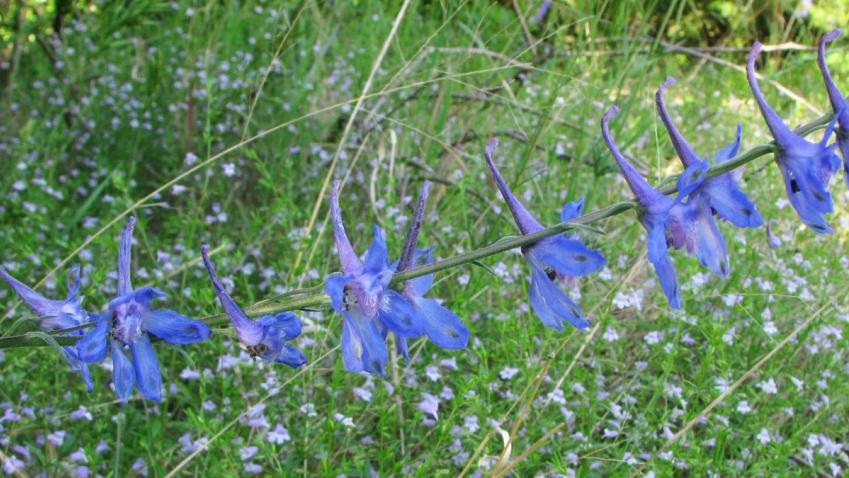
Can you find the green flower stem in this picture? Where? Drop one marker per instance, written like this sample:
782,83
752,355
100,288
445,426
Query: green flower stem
316,297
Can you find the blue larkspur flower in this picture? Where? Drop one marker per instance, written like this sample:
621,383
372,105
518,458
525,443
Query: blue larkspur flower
721,192
684,221
370,309
838,101
553,258
807,167
265,338
58,314
126,327
443,327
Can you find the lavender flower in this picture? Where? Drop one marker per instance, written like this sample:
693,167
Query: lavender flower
265,337
127,324
58,314
721,192
671,221
838,101
553,258
370,309
441,326
542,13
806,166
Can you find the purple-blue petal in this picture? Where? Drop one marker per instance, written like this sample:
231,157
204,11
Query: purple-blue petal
73,283
290,356
731,150
377,259
148,378
703,237
731,203
143,297
174,327
804,208
783,135
551,304
572,210
691,179
249,332
569,257
648,197
61,321
409,253
658,255
402,347
525,220
685,152
397,314
351,263
86,375
123,374
288,323
92,347
363,346
74,362
443,327
805,182
38,303
335,288
422,284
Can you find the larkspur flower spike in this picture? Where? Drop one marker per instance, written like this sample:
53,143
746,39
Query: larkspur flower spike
58,314
807,167
551,259
686,221
443,327
126,327
265,338
721,192
370,309
838,101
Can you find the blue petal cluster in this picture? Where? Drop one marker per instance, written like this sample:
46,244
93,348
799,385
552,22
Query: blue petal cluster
126,329
807,167
443,327
722,192
58,314
371,309
685,221
555,258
